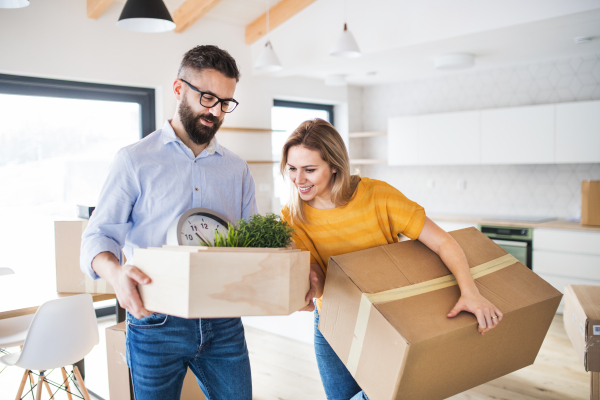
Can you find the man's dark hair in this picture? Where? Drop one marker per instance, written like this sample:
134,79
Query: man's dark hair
209,57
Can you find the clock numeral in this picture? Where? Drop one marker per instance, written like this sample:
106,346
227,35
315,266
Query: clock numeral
194,228
204,226
189,237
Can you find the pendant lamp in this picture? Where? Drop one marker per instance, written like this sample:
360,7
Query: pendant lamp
146,16
267,59
14,3
346,45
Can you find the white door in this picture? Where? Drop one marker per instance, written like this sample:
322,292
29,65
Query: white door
449,138
403,141
519,135
578,132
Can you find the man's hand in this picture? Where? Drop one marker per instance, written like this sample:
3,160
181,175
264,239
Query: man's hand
124,280
125,283
317,283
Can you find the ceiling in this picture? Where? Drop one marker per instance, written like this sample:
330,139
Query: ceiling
399,38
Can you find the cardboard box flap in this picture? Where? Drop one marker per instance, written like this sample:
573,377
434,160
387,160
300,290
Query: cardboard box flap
589,299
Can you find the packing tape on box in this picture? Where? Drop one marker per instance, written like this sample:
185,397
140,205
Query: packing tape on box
368,300
92,285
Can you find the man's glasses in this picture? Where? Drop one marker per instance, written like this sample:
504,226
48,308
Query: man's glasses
209,101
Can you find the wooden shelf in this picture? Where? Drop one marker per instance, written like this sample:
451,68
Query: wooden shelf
365,161
249,130
366,134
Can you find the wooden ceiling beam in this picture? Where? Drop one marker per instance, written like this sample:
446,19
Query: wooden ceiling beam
95,8
190,12
278,14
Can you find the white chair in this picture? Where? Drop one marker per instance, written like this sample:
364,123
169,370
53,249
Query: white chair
62,332
13,330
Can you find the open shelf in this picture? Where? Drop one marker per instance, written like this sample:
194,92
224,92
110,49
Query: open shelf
366,134
364,161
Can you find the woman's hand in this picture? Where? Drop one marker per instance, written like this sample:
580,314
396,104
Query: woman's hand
317,283
486,313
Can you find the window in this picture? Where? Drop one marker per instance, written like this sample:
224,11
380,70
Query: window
57,140
285,117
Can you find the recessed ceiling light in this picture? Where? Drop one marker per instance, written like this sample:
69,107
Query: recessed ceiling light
583,39
454,60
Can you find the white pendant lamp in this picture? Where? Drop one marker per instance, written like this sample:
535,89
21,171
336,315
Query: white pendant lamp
267,60
147,16
14,3
345,46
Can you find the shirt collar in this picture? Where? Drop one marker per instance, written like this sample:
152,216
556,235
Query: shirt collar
168,135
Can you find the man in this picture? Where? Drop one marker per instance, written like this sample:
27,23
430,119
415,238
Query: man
150,183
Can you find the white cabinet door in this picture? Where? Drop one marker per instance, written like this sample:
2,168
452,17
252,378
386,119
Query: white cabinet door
449,138
519,135
578,132
402,141
568,241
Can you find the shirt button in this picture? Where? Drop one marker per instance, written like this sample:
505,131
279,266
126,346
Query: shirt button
194,161
196,189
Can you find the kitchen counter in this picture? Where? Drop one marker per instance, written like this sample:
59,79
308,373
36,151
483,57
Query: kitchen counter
555,224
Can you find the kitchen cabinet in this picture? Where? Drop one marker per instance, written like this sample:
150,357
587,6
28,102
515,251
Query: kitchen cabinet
518,135
449,139
403,141
578,132
564,257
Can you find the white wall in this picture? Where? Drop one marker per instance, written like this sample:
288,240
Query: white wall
505,190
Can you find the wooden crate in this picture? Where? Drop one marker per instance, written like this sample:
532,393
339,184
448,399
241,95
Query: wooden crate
212,282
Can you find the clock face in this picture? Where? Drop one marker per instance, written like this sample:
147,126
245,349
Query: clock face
200,227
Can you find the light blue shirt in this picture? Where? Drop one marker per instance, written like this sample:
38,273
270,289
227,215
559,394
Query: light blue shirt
154,181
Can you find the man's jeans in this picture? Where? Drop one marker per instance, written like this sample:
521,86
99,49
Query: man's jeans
337,381
161,347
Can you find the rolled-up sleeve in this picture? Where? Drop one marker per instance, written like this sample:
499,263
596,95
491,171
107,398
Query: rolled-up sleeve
111,220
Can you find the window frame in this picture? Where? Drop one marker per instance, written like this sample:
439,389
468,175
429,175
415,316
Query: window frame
43,87
308,106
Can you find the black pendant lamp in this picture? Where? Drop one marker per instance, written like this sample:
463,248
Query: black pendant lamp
146,16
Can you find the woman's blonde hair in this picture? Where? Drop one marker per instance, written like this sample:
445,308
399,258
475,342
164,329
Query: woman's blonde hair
321,136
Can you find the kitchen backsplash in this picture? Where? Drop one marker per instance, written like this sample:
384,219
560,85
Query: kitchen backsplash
500,190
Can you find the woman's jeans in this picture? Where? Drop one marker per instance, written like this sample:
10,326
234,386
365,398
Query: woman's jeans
337,381
160,348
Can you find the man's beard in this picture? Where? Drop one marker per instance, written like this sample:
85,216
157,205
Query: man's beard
199,133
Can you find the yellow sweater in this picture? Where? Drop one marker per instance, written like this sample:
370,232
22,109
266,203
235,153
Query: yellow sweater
374,217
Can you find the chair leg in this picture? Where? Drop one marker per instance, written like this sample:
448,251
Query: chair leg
48,388
66,379
38,394
22,386
85,393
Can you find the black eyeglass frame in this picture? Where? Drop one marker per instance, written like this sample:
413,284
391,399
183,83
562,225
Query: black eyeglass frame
219,100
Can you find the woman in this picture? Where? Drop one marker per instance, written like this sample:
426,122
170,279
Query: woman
333,212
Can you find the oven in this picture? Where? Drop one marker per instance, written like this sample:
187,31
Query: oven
516,241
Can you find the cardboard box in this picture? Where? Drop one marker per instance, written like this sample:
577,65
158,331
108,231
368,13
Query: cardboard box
581,317
206,282
69,277
384,313
119,381
590,203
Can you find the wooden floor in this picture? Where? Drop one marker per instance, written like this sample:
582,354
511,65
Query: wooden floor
284,369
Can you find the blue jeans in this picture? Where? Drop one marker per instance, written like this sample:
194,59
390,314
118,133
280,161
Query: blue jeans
160,348
337,381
